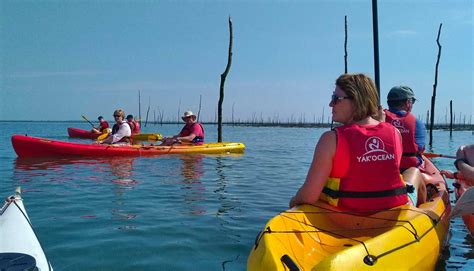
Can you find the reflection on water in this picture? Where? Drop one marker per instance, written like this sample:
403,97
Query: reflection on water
116,171
192,171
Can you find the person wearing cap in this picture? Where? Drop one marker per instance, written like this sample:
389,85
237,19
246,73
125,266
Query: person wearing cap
103,126
400,100
121,131
134,125
192,132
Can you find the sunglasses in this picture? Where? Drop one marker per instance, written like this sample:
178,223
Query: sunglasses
116,116
335,99
413,100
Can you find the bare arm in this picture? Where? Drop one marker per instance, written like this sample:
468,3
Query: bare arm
466,169
318,172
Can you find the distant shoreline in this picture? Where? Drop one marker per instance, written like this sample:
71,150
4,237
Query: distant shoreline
456,127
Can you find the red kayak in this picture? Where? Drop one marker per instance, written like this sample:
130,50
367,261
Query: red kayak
459,188
75,132
28,146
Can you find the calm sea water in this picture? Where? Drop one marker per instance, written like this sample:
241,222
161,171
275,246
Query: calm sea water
174,212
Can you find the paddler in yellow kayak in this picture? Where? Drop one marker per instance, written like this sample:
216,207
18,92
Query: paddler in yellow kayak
355,167
103,126
121,132
192,132
134,125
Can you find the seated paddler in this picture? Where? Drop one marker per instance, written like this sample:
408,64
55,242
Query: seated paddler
121,131
192,132
355,166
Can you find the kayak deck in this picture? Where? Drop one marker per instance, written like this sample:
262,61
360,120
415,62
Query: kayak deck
320,237
15,226
27,146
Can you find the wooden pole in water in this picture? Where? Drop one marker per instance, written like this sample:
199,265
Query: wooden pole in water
376,45
345,44
139,109
223,77
433,98
450,117
179,109
199,110
147,111
233,122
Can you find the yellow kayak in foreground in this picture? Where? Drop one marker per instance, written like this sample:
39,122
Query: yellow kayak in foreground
319,237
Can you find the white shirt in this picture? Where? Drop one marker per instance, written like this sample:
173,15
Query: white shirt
124,130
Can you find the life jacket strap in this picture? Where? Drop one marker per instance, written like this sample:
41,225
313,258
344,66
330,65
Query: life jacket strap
368,194
410,154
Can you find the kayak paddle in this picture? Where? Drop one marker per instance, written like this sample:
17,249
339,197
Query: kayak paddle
87,120
465,204
435,155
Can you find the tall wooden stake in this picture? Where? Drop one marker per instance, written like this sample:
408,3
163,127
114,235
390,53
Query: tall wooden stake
450,117
139,109
199,110
433,98
147,111
223,77
376,45
345,44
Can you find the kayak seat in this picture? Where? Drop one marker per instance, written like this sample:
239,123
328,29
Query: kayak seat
17,262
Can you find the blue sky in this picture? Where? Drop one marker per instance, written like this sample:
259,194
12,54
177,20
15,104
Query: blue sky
63,59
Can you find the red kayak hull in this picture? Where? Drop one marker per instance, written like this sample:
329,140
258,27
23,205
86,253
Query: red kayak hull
468,219
28,146
79,133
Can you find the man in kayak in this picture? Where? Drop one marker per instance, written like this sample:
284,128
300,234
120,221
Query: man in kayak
464,164
355,167
192,132
134,125
400,100
103,126
121,131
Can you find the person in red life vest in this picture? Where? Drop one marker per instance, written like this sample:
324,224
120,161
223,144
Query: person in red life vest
400,100
355,167
464,164
134,125
192,132
121,131
103,126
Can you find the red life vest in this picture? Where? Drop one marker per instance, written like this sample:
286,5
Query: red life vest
133,127
406,125
137,126
365,175
188,129
103,125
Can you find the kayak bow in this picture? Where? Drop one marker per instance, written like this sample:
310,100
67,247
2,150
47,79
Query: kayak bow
19,245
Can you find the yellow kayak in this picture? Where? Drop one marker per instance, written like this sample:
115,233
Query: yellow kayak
320,237
147,137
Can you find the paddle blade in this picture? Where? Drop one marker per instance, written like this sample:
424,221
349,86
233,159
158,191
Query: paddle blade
465,204
156,137
435,155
